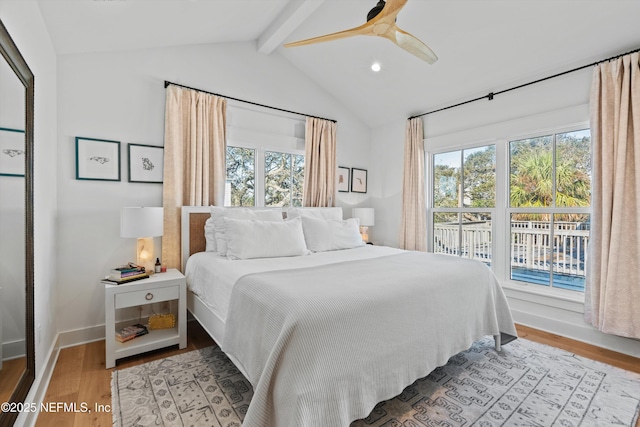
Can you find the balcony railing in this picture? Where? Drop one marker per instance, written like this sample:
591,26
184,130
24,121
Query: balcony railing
534,255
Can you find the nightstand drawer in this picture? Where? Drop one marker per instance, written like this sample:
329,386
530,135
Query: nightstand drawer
129,299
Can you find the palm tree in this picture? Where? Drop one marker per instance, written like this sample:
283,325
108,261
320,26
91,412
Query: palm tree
532,181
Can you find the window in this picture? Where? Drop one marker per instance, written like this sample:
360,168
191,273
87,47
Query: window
464,189
527,215
279,183
284,178
549,205
241,177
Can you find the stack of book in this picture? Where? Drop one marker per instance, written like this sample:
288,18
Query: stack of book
131,332
126,274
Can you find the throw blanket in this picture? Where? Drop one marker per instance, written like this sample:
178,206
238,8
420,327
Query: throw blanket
322,345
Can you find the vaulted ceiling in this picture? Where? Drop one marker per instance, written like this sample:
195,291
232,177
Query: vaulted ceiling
483,45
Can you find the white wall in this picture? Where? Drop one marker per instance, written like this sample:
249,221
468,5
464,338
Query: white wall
120,96
25,24
385,176
552,104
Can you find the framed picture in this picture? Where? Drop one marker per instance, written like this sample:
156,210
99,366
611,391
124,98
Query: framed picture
146,163
358,180
12,152
97,159
343,179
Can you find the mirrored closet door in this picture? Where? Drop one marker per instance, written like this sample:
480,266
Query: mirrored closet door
17,362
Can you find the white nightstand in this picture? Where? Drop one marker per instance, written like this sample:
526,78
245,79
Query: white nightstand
160,287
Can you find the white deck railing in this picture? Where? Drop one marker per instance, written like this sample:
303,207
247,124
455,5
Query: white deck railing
530,245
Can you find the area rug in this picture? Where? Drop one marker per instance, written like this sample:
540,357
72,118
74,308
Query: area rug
527,384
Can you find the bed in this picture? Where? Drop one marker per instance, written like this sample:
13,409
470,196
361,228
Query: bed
324,336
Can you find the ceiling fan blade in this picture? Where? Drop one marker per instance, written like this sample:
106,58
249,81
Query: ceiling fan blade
364,29
383,25
413,45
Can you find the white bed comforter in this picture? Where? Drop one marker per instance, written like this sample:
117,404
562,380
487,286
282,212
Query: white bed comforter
212,277
322,345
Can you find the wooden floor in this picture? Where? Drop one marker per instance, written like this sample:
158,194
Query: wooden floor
80,375
11,373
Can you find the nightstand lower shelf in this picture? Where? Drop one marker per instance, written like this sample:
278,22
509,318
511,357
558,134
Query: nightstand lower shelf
154,340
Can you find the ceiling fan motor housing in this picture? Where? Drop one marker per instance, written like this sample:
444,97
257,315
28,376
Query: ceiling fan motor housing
376,10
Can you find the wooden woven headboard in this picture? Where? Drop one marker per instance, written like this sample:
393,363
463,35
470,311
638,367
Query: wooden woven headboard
197,242
193,240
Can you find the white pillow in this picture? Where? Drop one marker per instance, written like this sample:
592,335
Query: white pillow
218,214
210,235
248,239
331,234
326,213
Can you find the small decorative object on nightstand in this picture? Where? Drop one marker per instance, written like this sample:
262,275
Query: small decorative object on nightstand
169,286
367,219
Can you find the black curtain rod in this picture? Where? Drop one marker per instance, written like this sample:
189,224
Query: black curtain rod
167,83
490,95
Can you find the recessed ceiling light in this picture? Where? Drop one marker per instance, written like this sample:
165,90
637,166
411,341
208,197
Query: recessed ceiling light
375,67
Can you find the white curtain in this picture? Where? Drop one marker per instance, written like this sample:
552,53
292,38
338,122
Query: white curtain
613,279
194,160
320,163
413,229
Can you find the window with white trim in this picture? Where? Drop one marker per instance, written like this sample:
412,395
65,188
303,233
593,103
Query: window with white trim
240,187
277,183
549,209
464,198
542,202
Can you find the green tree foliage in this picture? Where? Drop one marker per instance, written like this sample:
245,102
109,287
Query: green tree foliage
531,180
284,177
475,181
241,175
480,178
573,170
532,175
446,182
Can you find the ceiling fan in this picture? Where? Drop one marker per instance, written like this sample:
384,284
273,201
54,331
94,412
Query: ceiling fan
381,21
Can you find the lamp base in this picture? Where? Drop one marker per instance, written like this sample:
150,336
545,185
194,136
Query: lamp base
145,254
364,232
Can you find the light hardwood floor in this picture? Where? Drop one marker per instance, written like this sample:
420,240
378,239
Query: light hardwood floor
80,375
11,374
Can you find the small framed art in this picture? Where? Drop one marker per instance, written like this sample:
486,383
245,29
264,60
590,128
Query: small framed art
12,152
97,159
343,179
146,163
358,180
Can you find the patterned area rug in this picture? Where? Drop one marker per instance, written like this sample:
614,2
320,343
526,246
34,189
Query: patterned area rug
528,384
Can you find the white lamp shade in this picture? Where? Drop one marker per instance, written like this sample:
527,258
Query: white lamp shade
141,222
366,216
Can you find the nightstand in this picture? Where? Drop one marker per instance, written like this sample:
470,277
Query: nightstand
160,287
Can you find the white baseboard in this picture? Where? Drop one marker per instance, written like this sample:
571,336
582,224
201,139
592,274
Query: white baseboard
40,385
81,336
565,319
12,350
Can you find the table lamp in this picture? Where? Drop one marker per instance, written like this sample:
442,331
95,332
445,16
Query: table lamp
367,219
145,224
